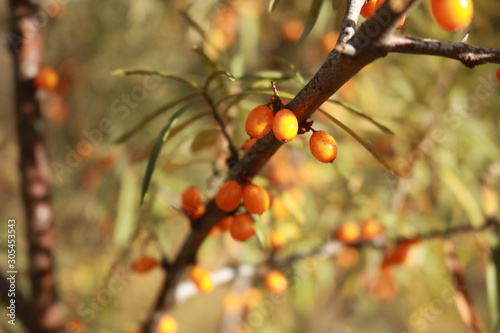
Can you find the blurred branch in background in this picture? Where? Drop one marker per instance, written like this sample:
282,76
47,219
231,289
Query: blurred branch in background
26,45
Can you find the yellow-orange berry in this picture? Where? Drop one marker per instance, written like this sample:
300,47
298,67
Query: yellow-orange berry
277,239
229,196
144,264
242,227
255,199
498,74
285,125
248,144
292,30
259,121
368,8
225,223
398,255
47,78
452,15
167,324
348,257
192,203
275,282
370,229
323,146
348,232
201,278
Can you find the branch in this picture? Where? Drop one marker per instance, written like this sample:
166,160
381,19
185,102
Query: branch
26,48
469,55
350,18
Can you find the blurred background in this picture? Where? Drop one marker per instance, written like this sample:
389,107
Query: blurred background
444,149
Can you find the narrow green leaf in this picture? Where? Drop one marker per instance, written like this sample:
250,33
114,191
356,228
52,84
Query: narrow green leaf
249,92
205,139
157,148
126,217
272,5
214,75
493,287
123,72
311,18
289,65
179,128
357,112
261,232
362,141
136,129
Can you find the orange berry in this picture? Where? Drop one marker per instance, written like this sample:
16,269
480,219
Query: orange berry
277,239
229,196
255,199
167,324
329,40
259,121
398,255
348,257
248,144
225,223
233,302
498,74
348,232
323,146
144,264
452,15
368,8
242,227
47,78
275,282
370,229
285,125
192,203
280,209
201,278
292,30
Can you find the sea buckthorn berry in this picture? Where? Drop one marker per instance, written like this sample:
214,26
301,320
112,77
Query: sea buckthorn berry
452,15
144,264
277,239
225,223
348,257
275,282
323,146
229,196
348,232
368,8
242,227
47,78
259,121
248,144
285,125
167,324
201,278
370,229
498,74
192,203
399,254
255,199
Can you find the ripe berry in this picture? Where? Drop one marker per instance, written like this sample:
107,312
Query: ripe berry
201,278
225,223
144,264
259,121
398,255
348,232
167,324
370,229
368,8
192,203
47,78
498,74
255,199
248,144
285,125
229,196
348,257
275,282
277,239
242,227
323,146
452,15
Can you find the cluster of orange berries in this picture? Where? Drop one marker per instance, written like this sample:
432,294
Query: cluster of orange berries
351,232
261,120
450,15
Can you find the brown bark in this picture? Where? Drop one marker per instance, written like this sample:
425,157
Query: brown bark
25,41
